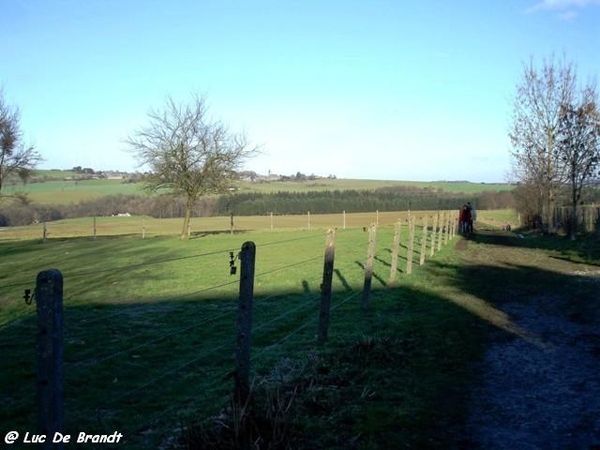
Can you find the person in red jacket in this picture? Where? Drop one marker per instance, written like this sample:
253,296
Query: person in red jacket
472,216
464,219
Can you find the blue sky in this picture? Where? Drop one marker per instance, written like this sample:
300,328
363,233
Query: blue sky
399,90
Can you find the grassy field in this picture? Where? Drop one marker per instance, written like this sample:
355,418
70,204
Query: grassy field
149,327
65,192
149,337
357,184
149,227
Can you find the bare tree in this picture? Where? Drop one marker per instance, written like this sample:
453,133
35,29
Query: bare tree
539,101
579,143
189,153
16,158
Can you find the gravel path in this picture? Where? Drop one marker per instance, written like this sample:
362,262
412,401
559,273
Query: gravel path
543,392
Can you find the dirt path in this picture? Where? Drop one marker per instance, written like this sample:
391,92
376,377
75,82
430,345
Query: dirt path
541,385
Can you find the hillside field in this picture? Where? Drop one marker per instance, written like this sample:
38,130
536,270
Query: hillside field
73,191
149,227
149,322
149,332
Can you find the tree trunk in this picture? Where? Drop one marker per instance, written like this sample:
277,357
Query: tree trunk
573,218
186,219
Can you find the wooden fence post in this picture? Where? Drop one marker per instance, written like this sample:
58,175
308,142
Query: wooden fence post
447,230
440,232
366,300
411,245
49,301
44,232
454,224
244,323
423,242
433,234
326,286
395,247
94,227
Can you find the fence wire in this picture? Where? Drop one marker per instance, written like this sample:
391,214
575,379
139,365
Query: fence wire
303,305
95,361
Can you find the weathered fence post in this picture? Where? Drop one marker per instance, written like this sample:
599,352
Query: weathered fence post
440,233
231,224
326,286
308,215
94,227
411,245
454,224
423,242
366,300
244,323
44,232
395,247
433,234
344,220
49,301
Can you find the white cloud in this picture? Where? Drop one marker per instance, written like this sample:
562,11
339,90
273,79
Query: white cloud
567,16
561,5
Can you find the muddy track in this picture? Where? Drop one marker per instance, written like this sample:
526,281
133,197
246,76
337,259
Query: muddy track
540,385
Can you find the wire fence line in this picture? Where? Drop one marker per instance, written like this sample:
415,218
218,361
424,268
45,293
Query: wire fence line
195,325
163,375
130,344
102,227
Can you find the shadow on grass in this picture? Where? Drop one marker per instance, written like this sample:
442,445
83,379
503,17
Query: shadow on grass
506,278
387,374
396,375
586,248
201,234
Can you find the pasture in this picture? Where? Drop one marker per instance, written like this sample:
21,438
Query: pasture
149,329
148,226
66,192
72,191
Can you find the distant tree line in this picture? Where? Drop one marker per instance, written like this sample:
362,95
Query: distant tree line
398,198
22,212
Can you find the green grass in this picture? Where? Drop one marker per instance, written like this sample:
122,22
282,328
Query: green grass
66,192
148,226
149,330
149,327
358,184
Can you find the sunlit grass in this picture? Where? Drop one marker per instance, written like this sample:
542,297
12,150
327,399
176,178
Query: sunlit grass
74,191
149,328
143,226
